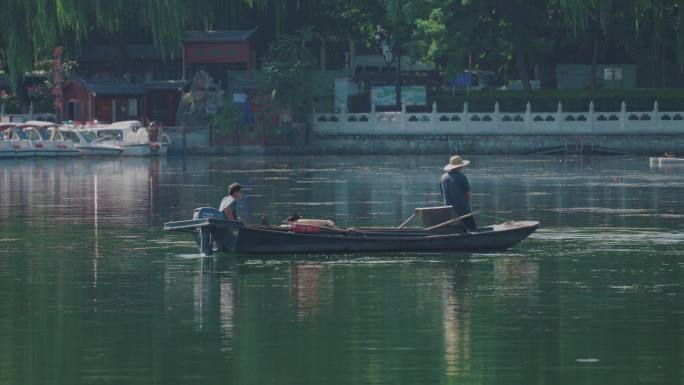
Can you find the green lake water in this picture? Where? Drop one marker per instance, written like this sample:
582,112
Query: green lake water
92,291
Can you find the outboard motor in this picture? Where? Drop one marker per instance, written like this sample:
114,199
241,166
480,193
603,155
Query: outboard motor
207,212
205,238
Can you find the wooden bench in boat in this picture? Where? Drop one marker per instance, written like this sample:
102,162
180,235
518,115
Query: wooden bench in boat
439,216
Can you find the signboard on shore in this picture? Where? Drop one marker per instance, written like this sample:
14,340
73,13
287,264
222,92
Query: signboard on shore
414,95
386,95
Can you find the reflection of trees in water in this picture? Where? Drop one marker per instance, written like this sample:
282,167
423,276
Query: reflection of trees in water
513,318
64,189
385,189
483,315
354,190
213,299
308,284
227,310
456,320
516,277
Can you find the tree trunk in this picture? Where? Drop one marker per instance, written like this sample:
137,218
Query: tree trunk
520,38
594,55
19,86
399,101
120,60
663,66
22,94
523,72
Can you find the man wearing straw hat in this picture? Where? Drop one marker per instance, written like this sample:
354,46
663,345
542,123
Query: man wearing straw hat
456,190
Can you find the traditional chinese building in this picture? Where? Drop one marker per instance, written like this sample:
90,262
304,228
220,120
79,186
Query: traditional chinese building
152,85
107,100
218,53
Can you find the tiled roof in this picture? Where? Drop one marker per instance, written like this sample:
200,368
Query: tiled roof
99,53
110,86
217,36
163,85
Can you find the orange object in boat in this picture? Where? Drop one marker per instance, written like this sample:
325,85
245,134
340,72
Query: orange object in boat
306,229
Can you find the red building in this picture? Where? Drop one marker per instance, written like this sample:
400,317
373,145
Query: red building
151,90
217,53
107,100
161,100
111,100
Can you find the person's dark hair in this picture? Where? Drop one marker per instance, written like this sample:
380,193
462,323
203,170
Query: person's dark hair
233,188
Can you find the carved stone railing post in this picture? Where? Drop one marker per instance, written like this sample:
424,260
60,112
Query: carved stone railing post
497,120
433,117
403,116
592,120
466,118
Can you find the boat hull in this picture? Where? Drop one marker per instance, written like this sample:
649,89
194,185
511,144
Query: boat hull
257,241
23,154
22,149
99,150
136,150
229,236
164,149
66,149
159,148
51,149
6,150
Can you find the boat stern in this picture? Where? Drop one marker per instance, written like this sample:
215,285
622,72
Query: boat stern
211,234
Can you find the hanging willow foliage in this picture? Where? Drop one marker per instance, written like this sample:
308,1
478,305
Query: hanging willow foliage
659,23
680,32
32,28
581,12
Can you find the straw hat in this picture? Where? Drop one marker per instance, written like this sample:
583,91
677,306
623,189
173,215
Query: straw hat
456,162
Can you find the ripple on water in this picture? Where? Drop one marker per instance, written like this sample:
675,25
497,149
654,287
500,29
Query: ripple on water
148,297
192,256
598,210
610,235
587,360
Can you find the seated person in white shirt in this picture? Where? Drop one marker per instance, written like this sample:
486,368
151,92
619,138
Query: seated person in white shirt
229,203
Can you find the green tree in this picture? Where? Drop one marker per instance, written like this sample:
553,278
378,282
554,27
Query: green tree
227,120
451,33
31,29
589,16
287,75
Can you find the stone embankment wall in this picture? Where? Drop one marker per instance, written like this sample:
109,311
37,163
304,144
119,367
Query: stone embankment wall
643,144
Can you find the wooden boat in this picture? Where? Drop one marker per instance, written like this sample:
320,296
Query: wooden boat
214,233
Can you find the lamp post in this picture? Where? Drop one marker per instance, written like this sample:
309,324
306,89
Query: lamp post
388,44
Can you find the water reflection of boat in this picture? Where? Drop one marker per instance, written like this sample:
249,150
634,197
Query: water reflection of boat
213,233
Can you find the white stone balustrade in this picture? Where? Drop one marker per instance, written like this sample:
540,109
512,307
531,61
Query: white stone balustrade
500,123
